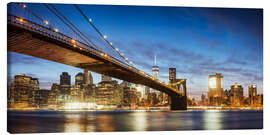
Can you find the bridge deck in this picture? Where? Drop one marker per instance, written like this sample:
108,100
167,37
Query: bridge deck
36,43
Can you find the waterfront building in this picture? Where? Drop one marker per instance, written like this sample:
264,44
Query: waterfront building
237,95
226,100
41,98
215,89
203,100
105,93
90,93
129,97
260,100
252,95
140,88
54,96
65,87
77,94
118,96
22,91
88,78
79,79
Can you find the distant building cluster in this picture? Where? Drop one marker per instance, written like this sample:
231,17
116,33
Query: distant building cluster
24,92
233,97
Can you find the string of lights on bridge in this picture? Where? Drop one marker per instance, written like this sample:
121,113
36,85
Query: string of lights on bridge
90,21
104,37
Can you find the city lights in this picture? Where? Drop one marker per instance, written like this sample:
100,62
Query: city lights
46,22
21,20
79,105
67,75
73,41
56,30
212,82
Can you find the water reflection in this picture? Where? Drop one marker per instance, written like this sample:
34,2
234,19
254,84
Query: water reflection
72,122
55,121
212,120
104,123
140,121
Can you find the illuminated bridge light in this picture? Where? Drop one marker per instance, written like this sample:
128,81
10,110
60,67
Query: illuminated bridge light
105,37
24,6
90,20
73,41
74,45
56,30
21,20
116,49
121,54
80,48
126,58
46,22
110,43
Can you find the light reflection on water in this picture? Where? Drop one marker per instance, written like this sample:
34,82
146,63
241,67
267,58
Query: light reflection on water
79,121
213,120
140,121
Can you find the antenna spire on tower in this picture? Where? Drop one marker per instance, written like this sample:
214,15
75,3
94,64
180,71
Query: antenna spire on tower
155,59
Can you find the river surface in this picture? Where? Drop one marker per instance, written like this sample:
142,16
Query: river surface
105,121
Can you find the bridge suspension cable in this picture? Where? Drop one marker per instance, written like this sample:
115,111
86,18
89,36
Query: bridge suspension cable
46,22
104,37
34,14
54,12
73,25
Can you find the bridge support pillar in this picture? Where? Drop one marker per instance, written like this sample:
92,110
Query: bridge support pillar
178,102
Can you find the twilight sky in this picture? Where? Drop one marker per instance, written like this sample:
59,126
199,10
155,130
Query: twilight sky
196,41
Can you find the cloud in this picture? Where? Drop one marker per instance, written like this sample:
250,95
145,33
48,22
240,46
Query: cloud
207,41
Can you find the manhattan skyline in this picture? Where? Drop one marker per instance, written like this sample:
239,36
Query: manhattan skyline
196,41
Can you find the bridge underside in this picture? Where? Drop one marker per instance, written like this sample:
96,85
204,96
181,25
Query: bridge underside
34,44
178,102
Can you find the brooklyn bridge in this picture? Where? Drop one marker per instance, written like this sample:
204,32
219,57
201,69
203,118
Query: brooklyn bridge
38,38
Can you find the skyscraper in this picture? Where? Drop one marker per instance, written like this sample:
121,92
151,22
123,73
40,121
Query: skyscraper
172,75
65,79
65,86
238,95
79,79
215,85
155,69
252,95
22,91
88,79
106,78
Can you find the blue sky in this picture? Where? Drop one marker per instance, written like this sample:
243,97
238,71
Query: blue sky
196,41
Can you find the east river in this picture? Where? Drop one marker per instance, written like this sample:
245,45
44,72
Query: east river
105,121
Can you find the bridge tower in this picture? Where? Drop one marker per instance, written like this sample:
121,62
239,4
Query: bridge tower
178,102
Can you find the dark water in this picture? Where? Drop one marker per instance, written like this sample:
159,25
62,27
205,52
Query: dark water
86,121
